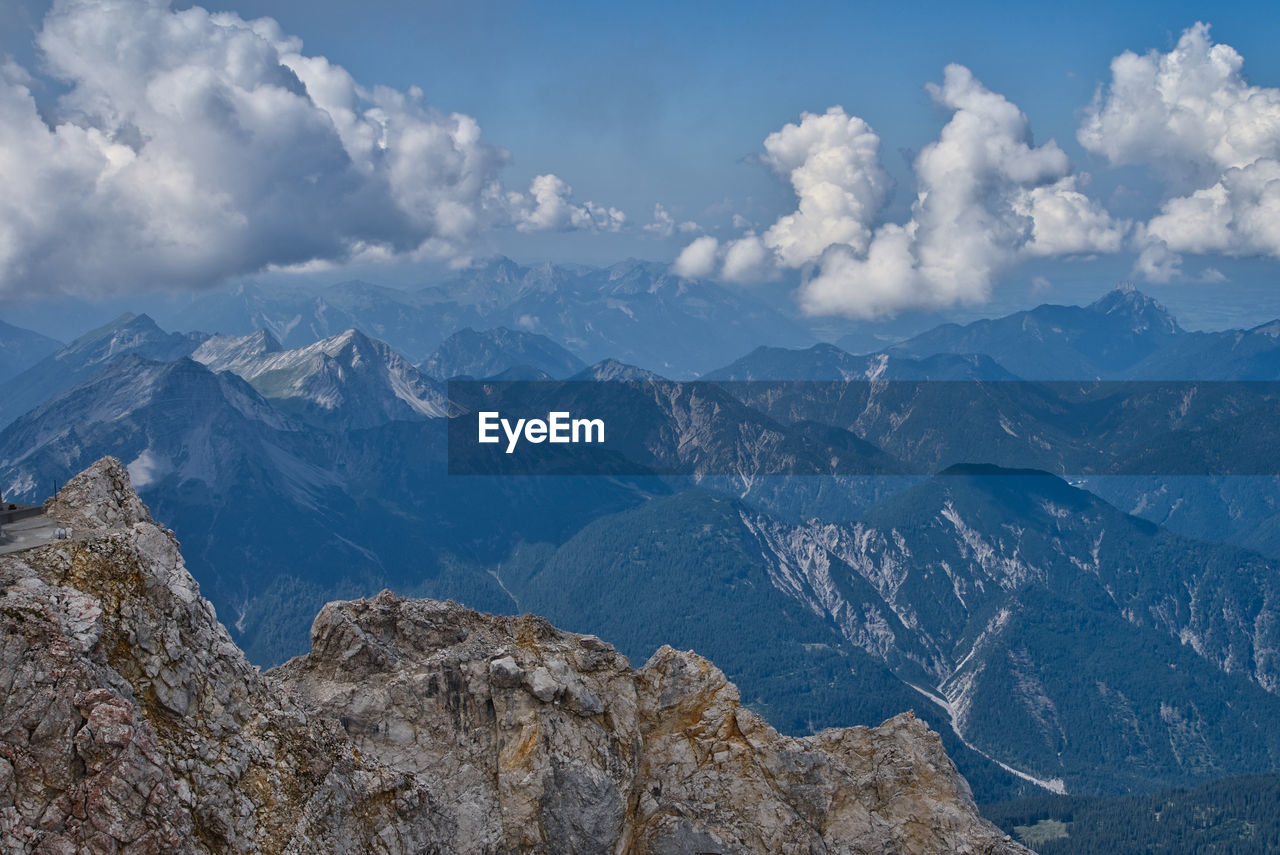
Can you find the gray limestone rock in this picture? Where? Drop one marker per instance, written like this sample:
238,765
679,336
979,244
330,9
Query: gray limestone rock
132,724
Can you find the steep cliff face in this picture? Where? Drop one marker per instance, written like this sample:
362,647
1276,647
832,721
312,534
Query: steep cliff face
131,723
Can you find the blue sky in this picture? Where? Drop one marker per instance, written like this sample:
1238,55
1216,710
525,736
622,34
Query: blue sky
633,105
669,102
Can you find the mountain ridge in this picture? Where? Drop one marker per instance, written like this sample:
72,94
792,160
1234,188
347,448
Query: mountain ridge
21,348
488,353
67,366
347,381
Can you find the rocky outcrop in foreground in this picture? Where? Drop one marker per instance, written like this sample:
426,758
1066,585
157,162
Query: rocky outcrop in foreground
131,723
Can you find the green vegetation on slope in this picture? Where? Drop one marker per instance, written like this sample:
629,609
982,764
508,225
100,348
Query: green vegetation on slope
1231,816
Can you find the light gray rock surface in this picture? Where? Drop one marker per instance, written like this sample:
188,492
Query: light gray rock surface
130,723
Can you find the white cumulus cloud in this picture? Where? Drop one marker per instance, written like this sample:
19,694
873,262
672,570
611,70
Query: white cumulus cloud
833,163
190,146
1192,117
748,259
664,225
1064,221
986,198
1189,111
698,259
548,206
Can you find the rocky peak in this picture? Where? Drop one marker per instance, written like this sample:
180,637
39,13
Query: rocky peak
127,332
133,724
99,498
1145,313
615,371
236,353
560,746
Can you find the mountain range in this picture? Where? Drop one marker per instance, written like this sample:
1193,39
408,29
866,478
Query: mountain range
344,382
1042,630
634,311
67,366
1124,335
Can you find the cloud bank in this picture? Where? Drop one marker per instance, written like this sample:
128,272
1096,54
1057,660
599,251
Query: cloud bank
190,147
986,198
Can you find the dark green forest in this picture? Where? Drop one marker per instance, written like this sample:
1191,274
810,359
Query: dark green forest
1231,816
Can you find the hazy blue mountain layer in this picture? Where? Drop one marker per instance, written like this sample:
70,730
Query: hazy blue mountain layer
136,334
1101,340
489,353
635,311
1036,625
21,348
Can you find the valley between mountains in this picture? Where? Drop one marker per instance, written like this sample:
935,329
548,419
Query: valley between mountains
1087,633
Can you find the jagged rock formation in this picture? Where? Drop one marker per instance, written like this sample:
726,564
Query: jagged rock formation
131,723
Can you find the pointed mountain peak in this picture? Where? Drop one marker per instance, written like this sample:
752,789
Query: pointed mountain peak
349,334
260,340
499,265
127,327
1270,328
349,338
136,324
612,369
109,328
1146,312
234,353
268,342
1143,312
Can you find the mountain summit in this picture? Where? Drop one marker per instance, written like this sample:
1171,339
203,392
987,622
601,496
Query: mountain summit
1051,342
1140,312
128,334
345,381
